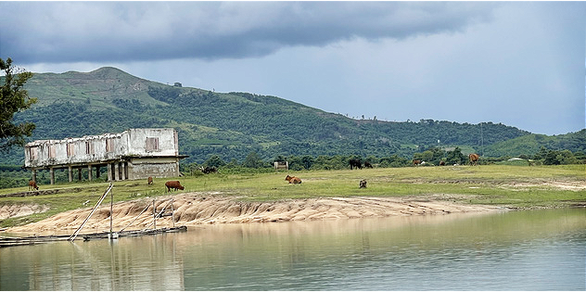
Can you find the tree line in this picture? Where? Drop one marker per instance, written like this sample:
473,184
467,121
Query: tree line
432,157
15,176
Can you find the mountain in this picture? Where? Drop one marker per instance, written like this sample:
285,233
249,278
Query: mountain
231,125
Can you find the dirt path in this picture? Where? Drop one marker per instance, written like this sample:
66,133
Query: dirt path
200,208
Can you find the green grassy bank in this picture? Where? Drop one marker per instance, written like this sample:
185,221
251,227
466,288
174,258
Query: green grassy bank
506,185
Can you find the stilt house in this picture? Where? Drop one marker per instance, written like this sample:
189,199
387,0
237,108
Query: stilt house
132,154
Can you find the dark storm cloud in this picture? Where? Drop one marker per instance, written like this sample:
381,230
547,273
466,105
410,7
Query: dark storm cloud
54,32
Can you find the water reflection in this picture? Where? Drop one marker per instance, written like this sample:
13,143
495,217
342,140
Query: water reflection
145,263
533,250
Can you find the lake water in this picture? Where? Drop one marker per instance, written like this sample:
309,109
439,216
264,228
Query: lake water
522,250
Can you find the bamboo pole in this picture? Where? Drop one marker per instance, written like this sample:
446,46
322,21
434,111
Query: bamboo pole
111,211
173,212
154,216
143,210
74,235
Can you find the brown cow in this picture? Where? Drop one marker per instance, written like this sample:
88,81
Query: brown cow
473,157
150,180
293,179
173,184
32,185
416,162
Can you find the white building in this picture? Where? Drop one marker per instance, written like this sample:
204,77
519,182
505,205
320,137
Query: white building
132,154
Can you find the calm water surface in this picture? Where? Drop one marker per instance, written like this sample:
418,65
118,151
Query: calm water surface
528,250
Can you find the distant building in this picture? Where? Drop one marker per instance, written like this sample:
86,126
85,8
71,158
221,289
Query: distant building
132,154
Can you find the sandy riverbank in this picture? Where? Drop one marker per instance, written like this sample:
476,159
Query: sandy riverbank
208,208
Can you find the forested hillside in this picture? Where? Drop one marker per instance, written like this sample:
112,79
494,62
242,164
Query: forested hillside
232,125
531,144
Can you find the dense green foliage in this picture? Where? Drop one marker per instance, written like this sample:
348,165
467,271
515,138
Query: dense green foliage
532,143
13,98
229,127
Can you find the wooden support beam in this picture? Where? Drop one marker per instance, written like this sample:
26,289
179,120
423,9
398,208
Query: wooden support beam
110,178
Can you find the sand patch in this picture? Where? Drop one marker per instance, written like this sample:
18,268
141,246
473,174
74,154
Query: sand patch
200,208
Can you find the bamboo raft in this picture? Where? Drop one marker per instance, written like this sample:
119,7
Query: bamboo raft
29,240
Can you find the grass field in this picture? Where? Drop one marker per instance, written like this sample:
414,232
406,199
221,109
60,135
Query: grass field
507,185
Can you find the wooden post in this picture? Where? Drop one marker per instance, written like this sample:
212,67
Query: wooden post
111,211
34,175
173,212
116,176
122,171
110,172
52,174
79,174
70,172
89,172
154,216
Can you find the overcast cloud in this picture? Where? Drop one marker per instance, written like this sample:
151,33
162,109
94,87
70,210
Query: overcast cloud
521,64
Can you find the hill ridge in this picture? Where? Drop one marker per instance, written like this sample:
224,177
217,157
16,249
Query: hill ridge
232,125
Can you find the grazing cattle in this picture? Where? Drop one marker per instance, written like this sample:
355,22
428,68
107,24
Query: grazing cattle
150,180
208,169
173,184
416,162
367,164
32,185
293,179
473,157
363,184
442,163
355,163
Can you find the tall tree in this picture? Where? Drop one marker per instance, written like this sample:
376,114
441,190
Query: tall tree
455,156
13,98
214,161
252,160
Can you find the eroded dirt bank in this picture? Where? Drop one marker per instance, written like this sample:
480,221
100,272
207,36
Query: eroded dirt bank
9,211
199,208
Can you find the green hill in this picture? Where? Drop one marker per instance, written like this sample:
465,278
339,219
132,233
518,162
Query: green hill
98,88
530,144
231,125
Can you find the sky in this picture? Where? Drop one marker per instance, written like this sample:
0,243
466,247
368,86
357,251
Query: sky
517,63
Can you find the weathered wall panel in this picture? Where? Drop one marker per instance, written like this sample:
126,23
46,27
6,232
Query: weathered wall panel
139,168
